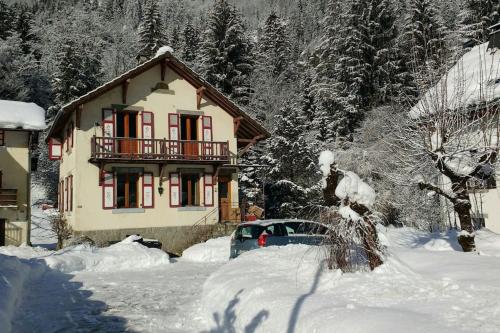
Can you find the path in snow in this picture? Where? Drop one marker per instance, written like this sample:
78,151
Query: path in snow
160,300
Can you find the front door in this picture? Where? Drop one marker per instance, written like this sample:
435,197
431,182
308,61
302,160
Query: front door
189,132
2,232
126,130
224,189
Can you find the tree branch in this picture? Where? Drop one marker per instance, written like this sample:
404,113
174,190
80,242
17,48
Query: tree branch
438,190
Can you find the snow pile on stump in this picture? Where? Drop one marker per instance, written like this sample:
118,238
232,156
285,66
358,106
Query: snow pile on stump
213,250
126,255
21,115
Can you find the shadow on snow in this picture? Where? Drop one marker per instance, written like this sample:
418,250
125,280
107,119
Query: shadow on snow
55,303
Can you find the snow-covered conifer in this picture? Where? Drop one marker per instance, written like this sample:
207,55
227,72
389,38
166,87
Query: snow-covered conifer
151,32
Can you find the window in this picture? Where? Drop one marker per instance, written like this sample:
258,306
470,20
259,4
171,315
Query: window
126,190
190,195
2,138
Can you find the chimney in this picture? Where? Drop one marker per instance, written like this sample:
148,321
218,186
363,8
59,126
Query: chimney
494,36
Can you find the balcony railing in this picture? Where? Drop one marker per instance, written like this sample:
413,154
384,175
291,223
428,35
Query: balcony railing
8,197
144,150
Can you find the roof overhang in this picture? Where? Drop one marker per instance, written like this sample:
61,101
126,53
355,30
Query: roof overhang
248,128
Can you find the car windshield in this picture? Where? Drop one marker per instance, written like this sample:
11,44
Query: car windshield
304,228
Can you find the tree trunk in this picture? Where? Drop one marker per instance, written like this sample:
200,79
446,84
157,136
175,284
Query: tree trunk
462,207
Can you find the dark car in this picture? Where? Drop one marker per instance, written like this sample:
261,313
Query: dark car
253,235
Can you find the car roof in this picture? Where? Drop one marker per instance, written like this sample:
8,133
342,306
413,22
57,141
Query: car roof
265,223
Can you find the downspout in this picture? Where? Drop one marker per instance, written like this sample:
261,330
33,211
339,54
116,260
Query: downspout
28,192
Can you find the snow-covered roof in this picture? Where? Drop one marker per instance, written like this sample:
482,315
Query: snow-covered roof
21,115
473,80
250,128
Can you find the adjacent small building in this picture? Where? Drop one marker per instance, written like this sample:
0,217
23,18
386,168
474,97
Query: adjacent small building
473,84
20,124
152,152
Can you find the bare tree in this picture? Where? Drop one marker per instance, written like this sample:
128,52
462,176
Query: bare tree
61,228
453,130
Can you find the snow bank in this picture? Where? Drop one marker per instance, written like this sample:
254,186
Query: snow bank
474,79
14,273
213,250
164,49
14,114
352,187
124,256
420,288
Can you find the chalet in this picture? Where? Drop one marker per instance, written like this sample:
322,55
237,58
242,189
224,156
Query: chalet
472,85
20,124
154,152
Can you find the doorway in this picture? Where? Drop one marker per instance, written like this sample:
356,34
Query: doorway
224,190
2,232
126,130
189,132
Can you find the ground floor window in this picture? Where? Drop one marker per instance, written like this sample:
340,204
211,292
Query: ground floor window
126,190
190,190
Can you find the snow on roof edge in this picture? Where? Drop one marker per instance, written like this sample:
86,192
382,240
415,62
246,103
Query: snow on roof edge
21,115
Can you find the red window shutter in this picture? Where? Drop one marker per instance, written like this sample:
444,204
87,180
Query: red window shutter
59,197
147,132
71,193
175,190
108,129
72,127
62,195
208,189
148,190
66,193
55,149
173,133
108,190
207,135
2,137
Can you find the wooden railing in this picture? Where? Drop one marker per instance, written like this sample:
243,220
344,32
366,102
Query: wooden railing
13,234
8,197
104,148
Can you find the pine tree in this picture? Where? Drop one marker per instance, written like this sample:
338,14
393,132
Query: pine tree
274,47
175,39
424,44
23,25
292,164
78,72
356,65
5,20
151,32
477,17
226,52
190,42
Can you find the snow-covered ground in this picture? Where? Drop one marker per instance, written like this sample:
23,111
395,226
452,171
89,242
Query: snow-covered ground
41,234
426,285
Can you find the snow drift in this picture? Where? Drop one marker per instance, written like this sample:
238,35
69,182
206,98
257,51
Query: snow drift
422,287
213,250
123,256
14,274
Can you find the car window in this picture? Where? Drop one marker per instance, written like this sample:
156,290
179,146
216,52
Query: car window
305,228
274,230
249,231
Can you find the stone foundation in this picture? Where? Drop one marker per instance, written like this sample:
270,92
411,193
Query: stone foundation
174,239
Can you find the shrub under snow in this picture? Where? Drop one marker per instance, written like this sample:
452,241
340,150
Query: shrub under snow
213,250
122,256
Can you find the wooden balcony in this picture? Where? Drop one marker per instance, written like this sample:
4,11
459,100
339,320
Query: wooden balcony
8,198
129,150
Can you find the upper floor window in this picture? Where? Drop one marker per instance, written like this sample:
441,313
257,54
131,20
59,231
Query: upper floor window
2,138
